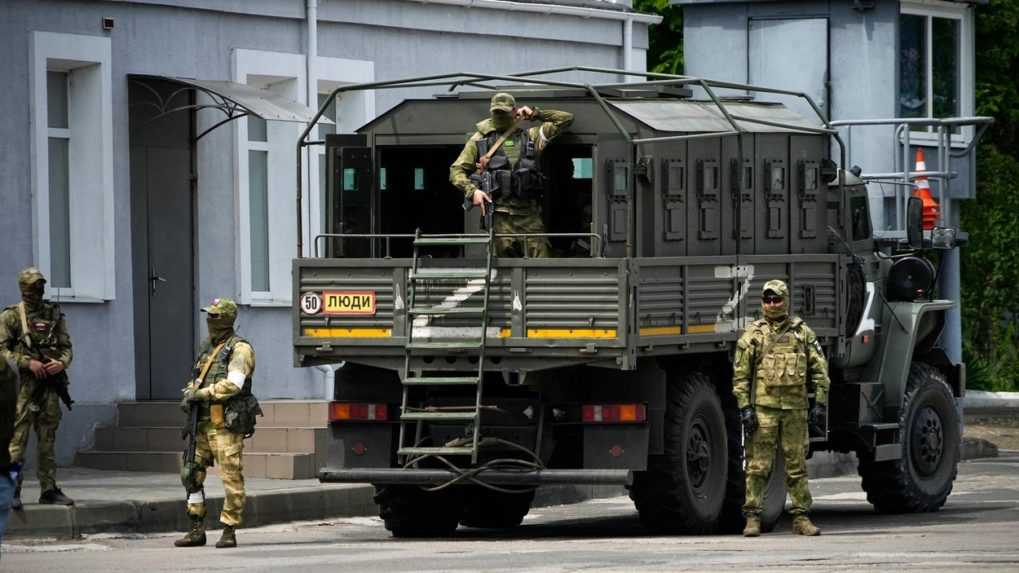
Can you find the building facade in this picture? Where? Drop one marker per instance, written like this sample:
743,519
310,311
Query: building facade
124,187
858,59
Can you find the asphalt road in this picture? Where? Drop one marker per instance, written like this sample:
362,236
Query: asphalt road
977,530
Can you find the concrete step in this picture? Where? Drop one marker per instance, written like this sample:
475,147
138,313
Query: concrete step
274,465
280,413
165,439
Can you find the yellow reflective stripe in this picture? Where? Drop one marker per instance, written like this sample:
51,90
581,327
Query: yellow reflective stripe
659,330
505,333
571,333
700,329
334,332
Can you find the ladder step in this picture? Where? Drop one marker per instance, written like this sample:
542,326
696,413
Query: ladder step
442,381
441,416
470,345
450,241
439,310
448,273
442,451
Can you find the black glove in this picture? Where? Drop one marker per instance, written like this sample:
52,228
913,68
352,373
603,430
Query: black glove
749,419
818,419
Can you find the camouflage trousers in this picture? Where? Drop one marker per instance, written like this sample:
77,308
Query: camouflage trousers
520,221
226,450
787,431
45,418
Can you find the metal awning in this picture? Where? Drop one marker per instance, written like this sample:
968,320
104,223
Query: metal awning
234,100
705,117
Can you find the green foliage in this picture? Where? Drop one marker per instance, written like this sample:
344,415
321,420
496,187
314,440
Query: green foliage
990,261
990,265
665,50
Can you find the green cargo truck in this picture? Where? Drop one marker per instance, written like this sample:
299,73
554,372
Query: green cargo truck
469,380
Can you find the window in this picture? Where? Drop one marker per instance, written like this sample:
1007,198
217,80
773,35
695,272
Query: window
266,167
582,167
72,165
935,61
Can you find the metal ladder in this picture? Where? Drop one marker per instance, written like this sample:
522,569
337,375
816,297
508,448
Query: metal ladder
420,413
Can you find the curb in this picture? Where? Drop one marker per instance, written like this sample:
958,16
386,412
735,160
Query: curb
168,515
325,502
979,399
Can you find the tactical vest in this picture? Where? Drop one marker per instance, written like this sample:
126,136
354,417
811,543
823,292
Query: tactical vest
42,323
219,369
781,368
521,181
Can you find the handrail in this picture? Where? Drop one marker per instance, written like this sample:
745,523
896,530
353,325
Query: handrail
454,80
902,141
597,239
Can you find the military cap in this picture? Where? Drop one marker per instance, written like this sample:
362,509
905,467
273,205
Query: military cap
30,276
776,287
503,101
224,307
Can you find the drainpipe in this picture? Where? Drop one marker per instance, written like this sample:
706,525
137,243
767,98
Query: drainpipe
329,379
311,73
628,49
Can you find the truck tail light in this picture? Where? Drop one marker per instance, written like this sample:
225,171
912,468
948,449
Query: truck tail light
357,412
613,413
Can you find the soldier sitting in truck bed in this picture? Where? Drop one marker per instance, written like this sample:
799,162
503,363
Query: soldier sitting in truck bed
508,157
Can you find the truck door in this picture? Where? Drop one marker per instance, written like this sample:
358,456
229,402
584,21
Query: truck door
348,195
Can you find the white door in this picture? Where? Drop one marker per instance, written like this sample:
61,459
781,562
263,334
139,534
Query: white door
790,54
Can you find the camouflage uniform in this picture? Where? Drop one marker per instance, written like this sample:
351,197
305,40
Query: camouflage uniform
784,351
47,339
513,214
233,364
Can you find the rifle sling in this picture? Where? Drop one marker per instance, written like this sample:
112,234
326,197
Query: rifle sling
208,364
483,162
25,336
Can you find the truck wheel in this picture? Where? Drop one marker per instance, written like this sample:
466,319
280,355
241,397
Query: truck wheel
922,479
493,509
732,520
683,490
409,511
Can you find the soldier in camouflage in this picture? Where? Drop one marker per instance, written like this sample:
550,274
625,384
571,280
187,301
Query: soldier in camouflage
514,169
776,358
33,336
224,368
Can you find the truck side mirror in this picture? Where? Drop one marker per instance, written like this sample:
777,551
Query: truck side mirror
914,222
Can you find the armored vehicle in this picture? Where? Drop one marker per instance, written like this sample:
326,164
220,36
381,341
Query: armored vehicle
469,379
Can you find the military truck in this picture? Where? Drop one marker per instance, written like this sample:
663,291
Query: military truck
469,380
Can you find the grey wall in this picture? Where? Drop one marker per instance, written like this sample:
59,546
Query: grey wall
186,38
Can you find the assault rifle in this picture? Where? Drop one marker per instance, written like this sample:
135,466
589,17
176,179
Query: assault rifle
747,433
483,179
189,469
58,383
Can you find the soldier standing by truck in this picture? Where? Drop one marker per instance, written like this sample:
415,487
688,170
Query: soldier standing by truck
34,334
504,158
221,391
776,359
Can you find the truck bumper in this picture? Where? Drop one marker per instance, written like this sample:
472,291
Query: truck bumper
386,476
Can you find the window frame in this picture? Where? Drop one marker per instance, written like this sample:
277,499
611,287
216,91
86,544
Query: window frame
931,9
91,198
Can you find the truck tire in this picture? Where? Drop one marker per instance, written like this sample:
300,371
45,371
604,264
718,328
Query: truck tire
493,509
732,520
922,479
683,490
409,511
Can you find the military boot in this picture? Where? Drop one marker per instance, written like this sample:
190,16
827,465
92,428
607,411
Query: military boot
16,504
229,538
195,537
753,528
803,526
55,497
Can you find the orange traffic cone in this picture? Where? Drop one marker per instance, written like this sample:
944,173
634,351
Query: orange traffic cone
923,191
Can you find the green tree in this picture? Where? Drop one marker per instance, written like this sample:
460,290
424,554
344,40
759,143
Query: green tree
665,50
990,265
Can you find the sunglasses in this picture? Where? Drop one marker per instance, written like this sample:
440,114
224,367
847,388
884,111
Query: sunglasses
771,299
